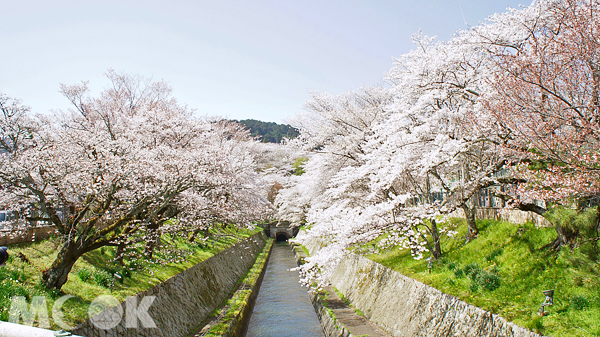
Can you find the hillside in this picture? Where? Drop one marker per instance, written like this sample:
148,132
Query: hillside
269,132
506,269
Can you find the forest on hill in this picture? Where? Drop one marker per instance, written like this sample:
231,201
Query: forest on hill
269,132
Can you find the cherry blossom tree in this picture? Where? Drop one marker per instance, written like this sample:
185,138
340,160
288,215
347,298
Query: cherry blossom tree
426,157
545,101
431,150
335,128
120,163
16,126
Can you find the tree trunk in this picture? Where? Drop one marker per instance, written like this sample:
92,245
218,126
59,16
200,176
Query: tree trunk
564,236
597,221
120,254
472,230
435,235
192,236
56,276
153,239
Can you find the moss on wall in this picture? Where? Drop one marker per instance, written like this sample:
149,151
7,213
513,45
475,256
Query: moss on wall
239,307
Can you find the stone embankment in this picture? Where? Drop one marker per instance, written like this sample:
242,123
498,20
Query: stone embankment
509,215
184,301
20,234
405,307
337,318
330,327
234,318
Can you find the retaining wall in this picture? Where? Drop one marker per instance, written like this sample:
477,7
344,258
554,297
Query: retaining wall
330,327
185,300
405,307
238,324
509,215
29,234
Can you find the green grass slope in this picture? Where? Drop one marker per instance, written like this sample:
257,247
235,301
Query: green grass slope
505,271
96,274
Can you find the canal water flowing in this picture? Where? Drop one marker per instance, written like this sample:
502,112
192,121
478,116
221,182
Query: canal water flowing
283,307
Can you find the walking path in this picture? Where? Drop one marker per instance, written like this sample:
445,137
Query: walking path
345,315
359,325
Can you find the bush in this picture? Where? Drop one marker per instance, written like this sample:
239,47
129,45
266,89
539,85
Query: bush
536,325
103,278
299,166
472,270
580,302
489,281
98,276
581,222
86,275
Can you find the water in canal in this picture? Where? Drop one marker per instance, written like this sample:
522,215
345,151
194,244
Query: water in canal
283,307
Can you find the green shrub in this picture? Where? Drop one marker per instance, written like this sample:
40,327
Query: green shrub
480,278
472,270
98,276
299,165
536,324
580,302
103,278
85,274
474,287
491,256
583,222
489,281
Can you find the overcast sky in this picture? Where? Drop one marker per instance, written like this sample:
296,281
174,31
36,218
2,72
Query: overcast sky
237,59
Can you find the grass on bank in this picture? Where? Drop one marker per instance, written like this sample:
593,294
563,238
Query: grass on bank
504,270
96,274
239,301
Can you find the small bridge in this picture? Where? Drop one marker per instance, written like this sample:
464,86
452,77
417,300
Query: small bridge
280,230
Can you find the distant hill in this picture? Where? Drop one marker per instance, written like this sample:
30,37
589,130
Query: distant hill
269,132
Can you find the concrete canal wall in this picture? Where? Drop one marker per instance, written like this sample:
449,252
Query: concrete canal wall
328,323
403,306
185,300
509,215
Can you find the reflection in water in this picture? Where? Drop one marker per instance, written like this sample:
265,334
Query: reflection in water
283,307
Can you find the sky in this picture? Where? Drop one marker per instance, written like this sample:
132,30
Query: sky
252,59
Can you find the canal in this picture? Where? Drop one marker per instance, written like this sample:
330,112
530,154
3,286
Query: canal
283,307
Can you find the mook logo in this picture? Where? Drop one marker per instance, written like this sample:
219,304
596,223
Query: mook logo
105,312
